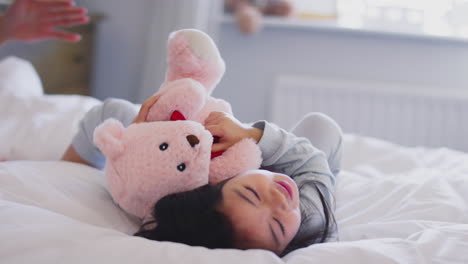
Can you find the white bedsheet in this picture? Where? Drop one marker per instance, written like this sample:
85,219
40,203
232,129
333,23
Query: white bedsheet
34,126
394,204
61,212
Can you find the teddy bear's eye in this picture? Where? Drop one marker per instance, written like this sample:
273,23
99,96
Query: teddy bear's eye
163,146
181,167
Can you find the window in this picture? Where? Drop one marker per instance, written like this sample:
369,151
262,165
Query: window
435,17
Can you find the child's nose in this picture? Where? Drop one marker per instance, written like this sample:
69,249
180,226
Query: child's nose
193,140
276,199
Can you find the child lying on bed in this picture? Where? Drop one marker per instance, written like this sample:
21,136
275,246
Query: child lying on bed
286,205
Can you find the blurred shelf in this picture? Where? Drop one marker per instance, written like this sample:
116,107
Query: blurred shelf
67,68
329,25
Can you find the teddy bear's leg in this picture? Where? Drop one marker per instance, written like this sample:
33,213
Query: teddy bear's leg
193,54
243,156
185,96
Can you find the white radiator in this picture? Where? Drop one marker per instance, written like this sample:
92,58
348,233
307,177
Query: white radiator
405,114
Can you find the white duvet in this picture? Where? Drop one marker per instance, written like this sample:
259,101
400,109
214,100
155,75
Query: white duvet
394,204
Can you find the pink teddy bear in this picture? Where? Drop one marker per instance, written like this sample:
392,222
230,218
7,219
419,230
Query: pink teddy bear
172,151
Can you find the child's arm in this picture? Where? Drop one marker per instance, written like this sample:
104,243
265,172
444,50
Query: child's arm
72,156
282,151
229,130
297,157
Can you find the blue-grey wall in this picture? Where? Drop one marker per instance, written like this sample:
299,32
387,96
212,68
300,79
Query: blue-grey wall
252,62
120,46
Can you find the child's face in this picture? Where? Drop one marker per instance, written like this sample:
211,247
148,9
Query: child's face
263,208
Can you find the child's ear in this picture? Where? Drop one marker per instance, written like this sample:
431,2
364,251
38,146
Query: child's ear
108,138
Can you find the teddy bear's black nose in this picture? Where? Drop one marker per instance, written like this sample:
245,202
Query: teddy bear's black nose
193,140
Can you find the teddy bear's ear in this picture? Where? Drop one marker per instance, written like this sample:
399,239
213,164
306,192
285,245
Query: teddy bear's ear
108,138
193,54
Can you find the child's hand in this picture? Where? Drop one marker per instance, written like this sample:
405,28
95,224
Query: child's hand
31,20
145,107
229,130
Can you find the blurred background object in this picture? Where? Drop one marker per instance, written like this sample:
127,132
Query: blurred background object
457,17
316,8
4,4
63,68
393,18
433,17
248,14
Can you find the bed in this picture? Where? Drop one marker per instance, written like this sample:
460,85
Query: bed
394,204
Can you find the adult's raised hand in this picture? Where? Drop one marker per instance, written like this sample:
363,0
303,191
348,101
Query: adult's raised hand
33,20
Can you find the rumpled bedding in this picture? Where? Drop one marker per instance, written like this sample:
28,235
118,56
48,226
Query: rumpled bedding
393,204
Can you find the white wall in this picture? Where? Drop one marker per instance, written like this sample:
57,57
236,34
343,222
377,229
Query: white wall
253,62
120,46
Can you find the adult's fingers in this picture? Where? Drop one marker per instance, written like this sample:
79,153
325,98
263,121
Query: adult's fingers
71,11
67,22
47,5
62,35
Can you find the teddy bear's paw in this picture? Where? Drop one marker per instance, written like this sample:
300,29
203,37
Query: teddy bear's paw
193,54
186,96
242,156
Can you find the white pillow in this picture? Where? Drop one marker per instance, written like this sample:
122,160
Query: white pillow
18,77
70,189
34,126
60,212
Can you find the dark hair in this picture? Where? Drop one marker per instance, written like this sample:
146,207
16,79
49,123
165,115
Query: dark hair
313,228
191,218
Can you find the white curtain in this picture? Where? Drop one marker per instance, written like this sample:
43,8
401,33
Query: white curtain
170,15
